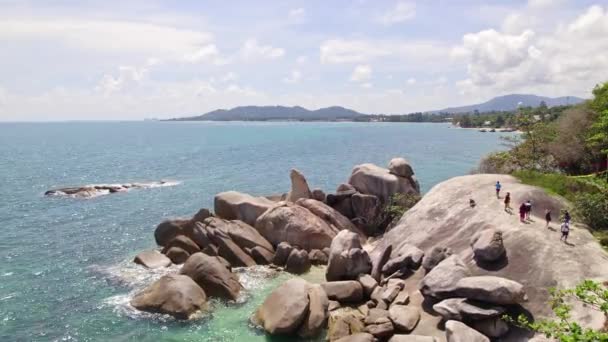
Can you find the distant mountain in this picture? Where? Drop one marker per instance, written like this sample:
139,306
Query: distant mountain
265,113
511,102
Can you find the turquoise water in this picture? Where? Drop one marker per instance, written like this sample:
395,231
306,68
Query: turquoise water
66,271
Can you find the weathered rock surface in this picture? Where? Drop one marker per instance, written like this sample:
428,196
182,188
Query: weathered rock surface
318,257
230,250
183,242
490,289
373,180
366,208
405,257
405,318
261,255
460,309
369,284
152,259
443,278
318,195
232,205
299,187
381,328
174,294
347,259
212,276
347,291
297,262
375,314
244,235
435,256
379,259
287,222
317,312
285,308
328,214
167,230
344,322
488,245
400,167
459,332
177,255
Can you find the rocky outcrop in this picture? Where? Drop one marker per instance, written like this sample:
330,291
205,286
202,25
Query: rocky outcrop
94,190
400,167
443,278
347,259
232,205
285,308
297,262
299,187
296,225
459,332
283,251
366,209
319,195
152,259
370,179
167,230
174,294
405,257
348,291
435,256
344,322
318,257
405,318
328,214
212,276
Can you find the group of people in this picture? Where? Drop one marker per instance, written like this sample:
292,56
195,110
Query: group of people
525,209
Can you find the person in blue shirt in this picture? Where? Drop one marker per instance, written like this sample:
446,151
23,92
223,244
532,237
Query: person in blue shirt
498,186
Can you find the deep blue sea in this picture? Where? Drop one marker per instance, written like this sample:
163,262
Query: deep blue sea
65,264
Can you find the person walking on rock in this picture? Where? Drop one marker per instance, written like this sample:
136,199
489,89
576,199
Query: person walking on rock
498,186
522,212
567,217
508,202
528,209
565,231
548,217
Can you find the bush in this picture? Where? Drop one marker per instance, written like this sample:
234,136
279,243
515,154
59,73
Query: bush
499,162
592,208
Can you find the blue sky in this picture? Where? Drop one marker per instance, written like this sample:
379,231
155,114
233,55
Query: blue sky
124,60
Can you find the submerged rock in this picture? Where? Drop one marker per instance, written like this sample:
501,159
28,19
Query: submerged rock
174,294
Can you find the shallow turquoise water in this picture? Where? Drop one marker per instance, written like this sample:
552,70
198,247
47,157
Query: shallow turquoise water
66,271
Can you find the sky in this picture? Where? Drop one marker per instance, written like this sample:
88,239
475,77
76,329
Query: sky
130,60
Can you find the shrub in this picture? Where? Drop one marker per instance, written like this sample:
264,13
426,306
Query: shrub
592,208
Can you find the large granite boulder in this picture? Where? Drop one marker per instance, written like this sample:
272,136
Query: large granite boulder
244,235
261,255
329,215
283,251
177,255
366,209
232,205
152,259
285,308
459,332
229,250
347,291
183,242
490,289
405,256
318,257
488,245
212,275
435,256
344,322
319,195
287,222
461,309
381,328
443,278
299,187
347,259
400,167
174,294
373,180
317,312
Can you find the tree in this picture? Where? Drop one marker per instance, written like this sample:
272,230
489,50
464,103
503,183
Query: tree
500,121
592,294
598,136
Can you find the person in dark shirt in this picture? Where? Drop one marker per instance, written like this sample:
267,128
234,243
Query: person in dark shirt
548,217
522,212
508,202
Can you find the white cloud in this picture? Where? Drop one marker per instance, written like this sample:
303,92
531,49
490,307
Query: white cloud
568,60
206,54
294,77
361,73
112,37
302,59
403,11
411,81
366,85
252,51
230,76
127,75
297,15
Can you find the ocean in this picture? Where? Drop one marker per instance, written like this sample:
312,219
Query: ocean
66,271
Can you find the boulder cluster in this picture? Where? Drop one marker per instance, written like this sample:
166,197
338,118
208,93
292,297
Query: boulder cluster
292,231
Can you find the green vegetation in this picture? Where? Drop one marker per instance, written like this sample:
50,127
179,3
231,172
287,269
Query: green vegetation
591,294
392,211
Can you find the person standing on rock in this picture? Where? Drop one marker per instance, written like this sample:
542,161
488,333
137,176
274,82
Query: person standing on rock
508,202
498,186
548,217
522,212
567,217
565,231
528,209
